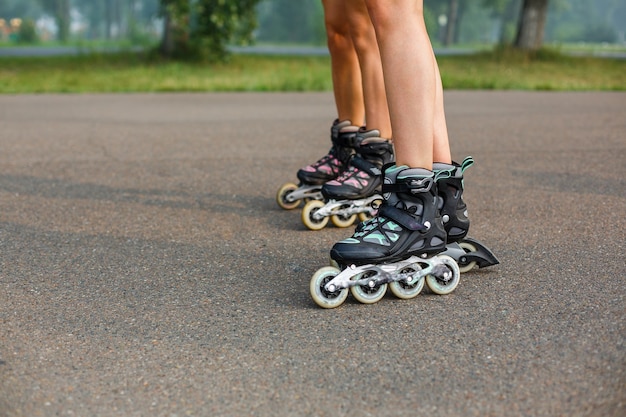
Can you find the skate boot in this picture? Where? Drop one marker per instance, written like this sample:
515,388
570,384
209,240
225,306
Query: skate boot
356,191
451,205
468,253
399,246
313,176
408,222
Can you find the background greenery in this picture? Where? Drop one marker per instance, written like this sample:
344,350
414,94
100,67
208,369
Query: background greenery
131,72
299,21
198,31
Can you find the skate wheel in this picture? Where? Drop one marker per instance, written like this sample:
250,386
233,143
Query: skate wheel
367,294
320,295
281,196
342,221
407,289
440,286
308,215
333,262
468,248
365,216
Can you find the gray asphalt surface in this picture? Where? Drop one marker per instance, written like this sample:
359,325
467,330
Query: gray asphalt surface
146,270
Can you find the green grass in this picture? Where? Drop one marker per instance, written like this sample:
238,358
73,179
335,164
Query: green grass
127,72
547,70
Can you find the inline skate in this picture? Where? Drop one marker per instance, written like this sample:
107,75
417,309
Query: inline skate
468,253
313,176
356,191
399,248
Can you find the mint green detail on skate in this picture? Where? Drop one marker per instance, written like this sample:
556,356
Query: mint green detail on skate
442,174
467,162
377,238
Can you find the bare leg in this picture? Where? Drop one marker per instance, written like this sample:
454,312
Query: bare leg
364,39
344,64
441,145
411,80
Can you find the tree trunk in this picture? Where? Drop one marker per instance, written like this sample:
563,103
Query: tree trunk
108,20
62,17
453,10
531,26
167,41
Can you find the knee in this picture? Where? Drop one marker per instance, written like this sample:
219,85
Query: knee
362,32
385,15
338,35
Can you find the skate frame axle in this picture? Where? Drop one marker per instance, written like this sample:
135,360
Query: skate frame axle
347,208
310,192
386,273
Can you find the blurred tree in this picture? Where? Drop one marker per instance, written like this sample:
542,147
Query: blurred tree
201,29
582,21
506,13
452,22
60,10
288,21
531,25
118,19
19,8
27,32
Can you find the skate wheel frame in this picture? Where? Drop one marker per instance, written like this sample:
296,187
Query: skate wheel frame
342,221
281,196
369,293
406,289
440,286
308,215
320,295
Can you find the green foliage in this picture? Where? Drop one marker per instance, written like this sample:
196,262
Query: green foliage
28,32
201,29
289,21
60,9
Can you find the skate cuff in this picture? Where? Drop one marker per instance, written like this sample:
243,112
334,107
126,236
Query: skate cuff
401,217
411,187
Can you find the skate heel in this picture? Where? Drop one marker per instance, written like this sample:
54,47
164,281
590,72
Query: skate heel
452,208
469,254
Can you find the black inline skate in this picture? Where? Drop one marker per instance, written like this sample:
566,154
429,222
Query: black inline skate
313,176
467,252
356,192
399,247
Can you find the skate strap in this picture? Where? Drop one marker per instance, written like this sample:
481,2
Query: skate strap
467,162
412,186
366,166
401,217
346,139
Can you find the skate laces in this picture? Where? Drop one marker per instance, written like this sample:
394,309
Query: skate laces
348,173
329,160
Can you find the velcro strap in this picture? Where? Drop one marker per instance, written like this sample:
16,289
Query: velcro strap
412,186
366,166
401,217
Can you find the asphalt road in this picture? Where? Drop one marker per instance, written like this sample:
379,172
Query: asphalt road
146,270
